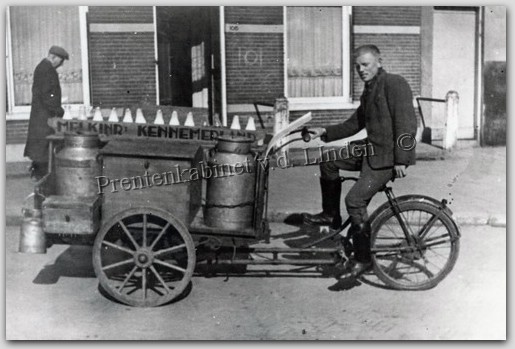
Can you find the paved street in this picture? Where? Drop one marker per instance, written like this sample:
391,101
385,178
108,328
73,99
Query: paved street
59,293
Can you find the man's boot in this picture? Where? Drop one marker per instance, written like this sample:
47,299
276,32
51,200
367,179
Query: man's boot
362,256
330,215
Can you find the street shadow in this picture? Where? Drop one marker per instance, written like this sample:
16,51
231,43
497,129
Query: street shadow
295,219
75,261
180,297
376,284
371,279
305,235
344,285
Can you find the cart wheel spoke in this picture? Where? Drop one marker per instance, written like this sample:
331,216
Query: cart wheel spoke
165,228
168,250
127,279
144,243
160,278
118,247
129,235
144,282
168,265
114,265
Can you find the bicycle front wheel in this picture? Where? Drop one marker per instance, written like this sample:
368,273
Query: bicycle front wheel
416,249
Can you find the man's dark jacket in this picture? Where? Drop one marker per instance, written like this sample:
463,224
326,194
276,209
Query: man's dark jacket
387,113
46,103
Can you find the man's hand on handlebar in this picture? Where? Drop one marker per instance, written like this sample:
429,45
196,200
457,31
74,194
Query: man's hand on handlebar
318,132
400,171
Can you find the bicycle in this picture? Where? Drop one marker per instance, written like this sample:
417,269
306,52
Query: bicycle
415,240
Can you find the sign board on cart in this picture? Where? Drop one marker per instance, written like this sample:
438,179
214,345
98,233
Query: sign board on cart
120,129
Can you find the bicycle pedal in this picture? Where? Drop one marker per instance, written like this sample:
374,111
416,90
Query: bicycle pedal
327,230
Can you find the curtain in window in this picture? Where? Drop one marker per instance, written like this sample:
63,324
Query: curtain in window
314,51
34,29
198,76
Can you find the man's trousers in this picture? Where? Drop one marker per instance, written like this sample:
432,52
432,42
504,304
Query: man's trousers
369,183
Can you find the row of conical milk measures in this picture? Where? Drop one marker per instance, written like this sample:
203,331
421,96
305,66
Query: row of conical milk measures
230,193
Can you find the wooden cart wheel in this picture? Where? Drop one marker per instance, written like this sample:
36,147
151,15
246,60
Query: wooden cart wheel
144,257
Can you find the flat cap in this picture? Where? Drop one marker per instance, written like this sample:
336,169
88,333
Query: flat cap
59,51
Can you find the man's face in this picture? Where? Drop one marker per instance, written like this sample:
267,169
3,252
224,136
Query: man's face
367,66
56,61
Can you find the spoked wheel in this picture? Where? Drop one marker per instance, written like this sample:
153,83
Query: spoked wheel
144,257
420,259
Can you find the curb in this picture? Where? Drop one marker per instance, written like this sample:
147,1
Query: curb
17,169
12,221
495,220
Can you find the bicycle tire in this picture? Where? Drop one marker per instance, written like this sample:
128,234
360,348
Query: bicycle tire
390,260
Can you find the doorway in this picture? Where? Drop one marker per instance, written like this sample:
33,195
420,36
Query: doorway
189,56
455,48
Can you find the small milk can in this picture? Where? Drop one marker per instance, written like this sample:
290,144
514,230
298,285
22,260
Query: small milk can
32,236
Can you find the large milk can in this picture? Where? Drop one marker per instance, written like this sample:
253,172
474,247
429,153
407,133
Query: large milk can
231,176
77,165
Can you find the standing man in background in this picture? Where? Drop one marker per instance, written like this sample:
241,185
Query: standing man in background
46,104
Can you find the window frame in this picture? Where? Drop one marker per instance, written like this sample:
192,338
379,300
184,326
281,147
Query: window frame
325,103
16,112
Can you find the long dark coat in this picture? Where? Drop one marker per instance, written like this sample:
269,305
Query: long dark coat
46,103
386,113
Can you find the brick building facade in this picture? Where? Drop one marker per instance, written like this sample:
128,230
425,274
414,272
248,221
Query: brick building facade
121,56
231,57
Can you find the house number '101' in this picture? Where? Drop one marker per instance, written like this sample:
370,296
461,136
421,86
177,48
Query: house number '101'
250,57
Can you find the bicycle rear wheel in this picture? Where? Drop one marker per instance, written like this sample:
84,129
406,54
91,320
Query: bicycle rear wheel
423,257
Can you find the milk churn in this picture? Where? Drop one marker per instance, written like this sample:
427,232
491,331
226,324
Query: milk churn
32,236
77,164
231,176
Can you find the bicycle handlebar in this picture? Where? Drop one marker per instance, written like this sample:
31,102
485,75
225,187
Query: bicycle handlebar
305,134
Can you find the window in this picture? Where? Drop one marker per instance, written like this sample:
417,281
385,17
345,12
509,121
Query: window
318,58
32,31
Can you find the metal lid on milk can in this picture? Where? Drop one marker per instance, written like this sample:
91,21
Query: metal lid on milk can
233,144
81,139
